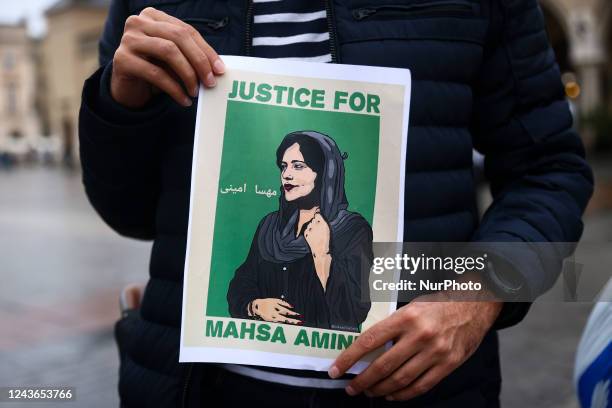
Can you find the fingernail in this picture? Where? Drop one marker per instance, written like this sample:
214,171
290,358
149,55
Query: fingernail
333,372
350,390
219,66
210,79
389,398
187,102
195,91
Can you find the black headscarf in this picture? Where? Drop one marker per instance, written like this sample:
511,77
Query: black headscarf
276,240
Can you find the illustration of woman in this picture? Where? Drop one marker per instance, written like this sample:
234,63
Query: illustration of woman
307,260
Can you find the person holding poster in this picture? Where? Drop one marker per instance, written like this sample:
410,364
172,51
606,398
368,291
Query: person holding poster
323,287
483,76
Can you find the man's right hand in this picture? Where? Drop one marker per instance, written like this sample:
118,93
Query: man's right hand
160,52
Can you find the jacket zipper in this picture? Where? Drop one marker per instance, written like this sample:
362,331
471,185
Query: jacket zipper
461,7
329,12
187,378
249,18
208,22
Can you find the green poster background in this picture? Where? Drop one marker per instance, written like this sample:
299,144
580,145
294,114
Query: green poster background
253,132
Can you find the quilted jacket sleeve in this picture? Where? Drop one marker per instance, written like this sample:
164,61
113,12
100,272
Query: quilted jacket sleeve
534,159
119,147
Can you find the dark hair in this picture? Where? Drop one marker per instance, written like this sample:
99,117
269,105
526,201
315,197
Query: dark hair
310,149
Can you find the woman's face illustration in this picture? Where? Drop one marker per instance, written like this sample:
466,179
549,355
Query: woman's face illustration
297,179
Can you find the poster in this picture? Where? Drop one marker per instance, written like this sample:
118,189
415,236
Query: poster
297,168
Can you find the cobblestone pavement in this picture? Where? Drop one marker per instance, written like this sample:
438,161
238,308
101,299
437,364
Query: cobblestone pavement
63,270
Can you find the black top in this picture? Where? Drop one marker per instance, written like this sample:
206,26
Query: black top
338,307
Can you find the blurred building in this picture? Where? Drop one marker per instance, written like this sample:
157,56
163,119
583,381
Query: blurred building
581,33
18,118
68,55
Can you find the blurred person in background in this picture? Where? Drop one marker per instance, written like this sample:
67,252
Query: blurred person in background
502,94
593,369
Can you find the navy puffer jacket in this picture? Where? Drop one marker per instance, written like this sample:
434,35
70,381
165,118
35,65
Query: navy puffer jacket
484,76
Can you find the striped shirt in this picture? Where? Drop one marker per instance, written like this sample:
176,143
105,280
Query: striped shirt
290,29
294,30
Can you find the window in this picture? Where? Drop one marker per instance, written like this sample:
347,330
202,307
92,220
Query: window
88,43
9,61
11,98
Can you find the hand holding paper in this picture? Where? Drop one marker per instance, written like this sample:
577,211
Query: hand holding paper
160,51
431,339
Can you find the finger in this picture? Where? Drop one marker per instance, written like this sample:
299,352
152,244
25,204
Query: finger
279,318
181,36
153,74
213,57
168,52
283,303
307,224
217,63
275,317
401,378
318,219
383,367
423,384
286,312
291,321
368,341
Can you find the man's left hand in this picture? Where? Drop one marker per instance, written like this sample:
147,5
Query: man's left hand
431,338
